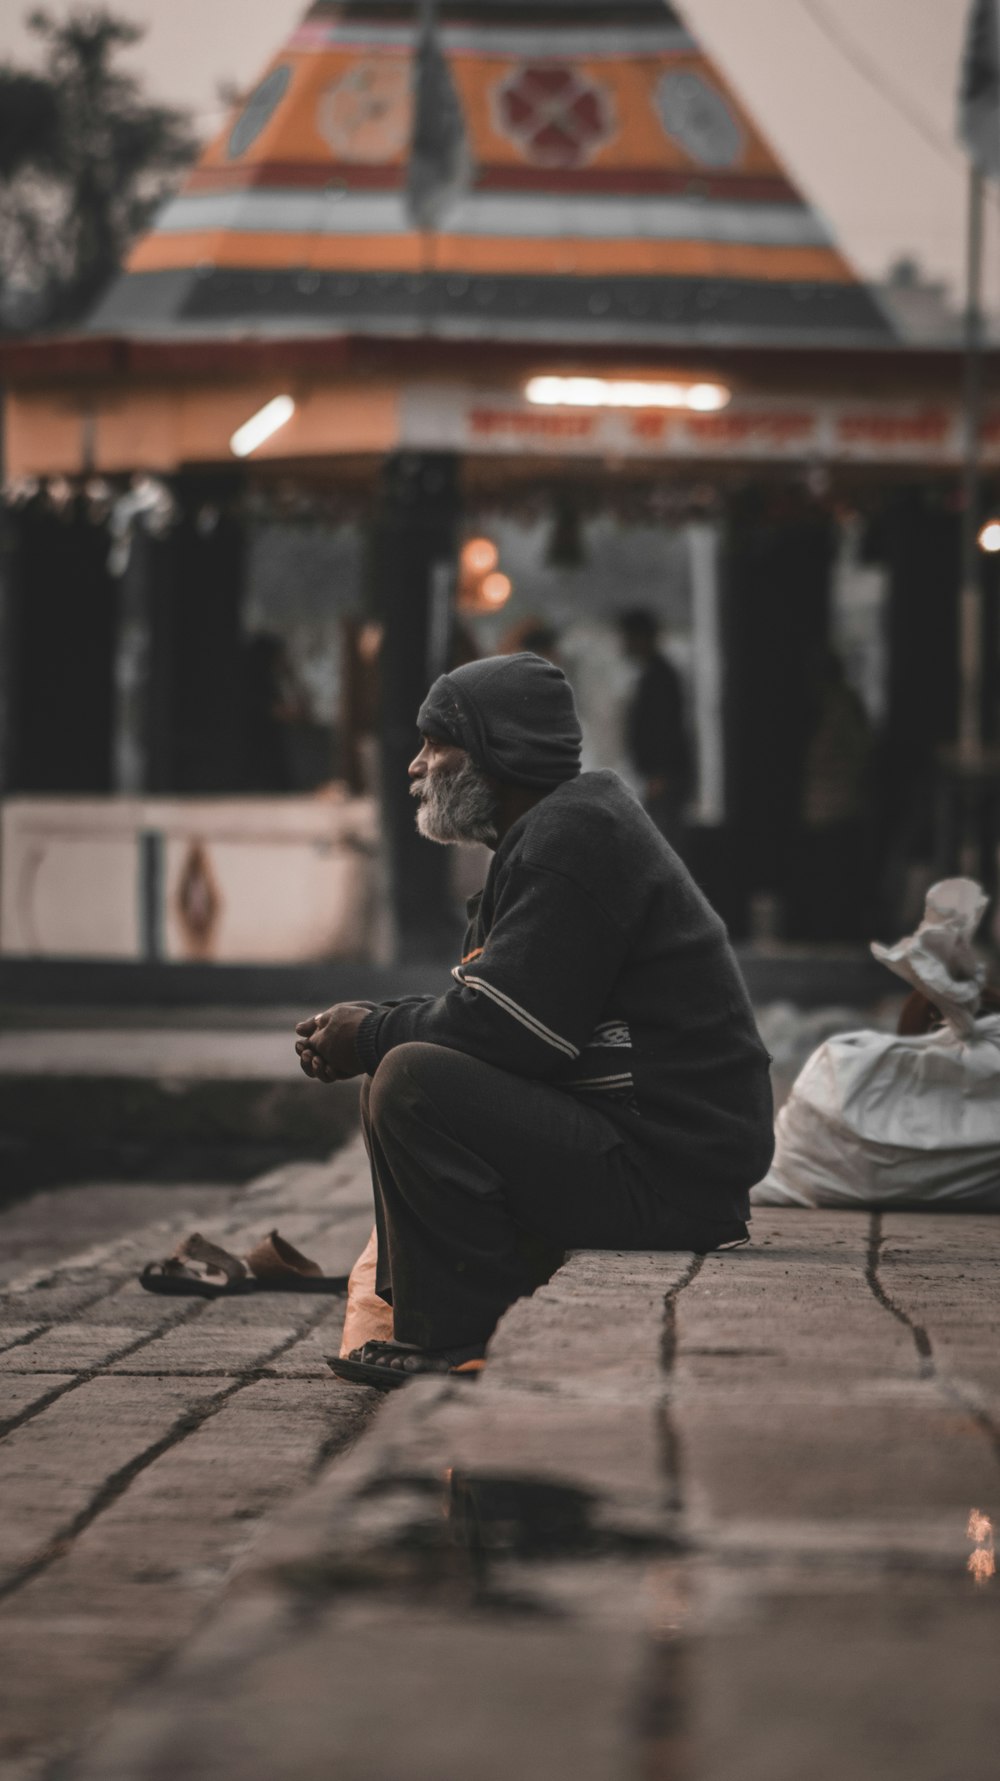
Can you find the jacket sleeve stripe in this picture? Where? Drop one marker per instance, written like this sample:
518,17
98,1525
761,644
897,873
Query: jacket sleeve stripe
514,1008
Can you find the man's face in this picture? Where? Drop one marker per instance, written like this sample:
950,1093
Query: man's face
457,801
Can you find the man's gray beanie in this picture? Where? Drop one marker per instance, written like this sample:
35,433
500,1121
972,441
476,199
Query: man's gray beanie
515,715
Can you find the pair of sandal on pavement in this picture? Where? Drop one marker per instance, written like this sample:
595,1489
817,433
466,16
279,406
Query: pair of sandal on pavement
202,1269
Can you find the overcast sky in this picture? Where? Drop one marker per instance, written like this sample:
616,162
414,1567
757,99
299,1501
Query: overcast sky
887,184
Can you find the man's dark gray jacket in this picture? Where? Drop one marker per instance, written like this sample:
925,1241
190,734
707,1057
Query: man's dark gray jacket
593,962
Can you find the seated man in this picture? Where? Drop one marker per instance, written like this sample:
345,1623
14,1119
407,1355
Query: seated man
593,1080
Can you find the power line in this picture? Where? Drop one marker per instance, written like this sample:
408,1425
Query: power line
900,101
877,79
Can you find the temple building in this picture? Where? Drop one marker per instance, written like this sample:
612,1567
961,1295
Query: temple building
476,326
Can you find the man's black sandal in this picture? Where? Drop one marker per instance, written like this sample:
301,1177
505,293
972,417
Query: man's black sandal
375,1363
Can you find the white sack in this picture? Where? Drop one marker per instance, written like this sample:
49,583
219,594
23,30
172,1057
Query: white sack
938,959
876,1119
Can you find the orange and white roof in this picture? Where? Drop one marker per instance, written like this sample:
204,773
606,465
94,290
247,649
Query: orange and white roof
620,192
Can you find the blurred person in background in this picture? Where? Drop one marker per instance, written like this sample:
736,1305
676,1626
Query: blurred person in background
533,634
835,898
285,748
656,736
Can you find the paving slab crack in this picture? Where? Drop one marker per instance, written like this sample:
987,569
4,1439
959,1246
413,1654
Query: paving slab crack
668,1343
921,1339
669,1436
24,1340
661,1703
957,1394
336,1445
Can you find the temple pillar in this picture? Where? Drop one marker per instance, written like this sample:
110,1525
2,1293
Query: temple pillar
60,611
413,550
8,683
778,562
178,666
208,570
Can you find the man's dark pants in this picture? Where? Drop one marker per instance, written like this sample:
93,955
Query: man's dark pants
481,1179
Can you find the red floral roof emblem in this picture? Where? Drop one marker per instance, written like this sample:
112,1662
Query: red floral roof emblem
558,116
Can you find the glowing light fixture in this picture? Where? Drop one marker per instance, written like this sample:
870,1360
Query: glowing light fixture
602,392
267,421
479,556
708,398
496,590
989,537
481,586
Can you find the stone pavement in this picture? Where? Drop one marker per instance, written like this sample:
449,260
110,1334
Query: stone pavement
143,1438
700,1520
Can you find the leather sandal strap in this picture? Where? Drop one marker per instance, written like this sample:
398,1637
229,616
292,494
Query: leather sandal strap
197,1248
274,1258
377,1351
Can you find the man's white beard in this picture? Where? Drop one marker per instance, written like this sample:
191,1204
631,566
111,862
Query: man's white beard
460,806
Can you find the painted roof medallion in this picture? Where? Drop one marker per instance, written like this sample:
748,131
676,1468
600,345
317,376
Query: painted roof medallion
365,115
555,113
259,110
696,115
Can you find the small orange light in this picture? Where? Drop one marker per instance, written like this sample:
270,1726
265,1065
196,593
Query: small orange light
496,589
479,556
982,1561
